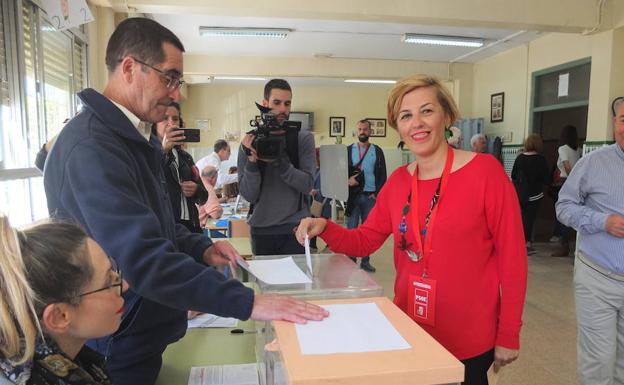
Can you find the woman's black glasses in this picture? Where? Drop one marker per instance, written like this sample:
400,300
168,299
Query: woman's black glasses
118,281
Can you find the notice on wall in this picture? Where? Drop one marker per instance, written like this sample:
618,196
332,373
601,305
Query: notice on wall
564,82
66,14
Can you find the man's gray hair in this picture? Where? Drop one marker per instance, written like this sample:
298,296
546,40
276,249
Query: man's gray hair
209,172
476,137
616,105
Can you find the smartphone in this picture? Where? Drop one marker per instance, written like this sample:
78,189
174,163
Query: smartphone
191,135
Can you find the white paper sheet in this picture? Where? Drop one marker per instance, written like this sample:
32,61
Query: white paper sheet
244,374
207,320
277,271
350,328
564,81
306,246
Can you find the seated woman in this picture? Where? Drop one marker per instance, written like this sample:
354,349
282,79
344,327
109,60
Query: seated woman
58,290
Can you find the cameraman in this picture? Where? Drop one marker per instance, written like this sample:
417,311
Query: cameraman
277,189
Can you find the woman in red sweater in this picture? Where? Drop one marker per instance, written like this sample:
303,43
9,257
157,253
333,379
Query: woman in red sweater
459,249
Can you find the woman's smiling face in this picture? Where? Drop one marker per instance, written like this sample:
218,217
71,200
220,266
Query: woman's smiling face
421,121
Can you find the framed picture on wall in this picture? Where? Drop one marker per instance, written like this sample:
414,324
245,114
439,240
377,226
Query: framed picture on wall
497,105
337,126
378,126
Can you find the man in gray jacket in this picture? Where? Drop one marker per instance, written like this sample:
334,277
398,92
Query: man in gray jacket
278,188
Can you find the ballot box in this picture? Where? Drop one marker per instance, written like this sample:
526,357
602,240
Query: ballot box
396,351
333,276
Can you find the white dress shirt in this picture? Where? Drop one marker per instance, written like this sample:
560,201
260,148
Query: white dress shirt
214,161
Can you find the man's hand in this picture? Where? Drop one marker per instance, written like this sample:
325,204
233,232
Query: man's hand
310,226
504,356
222,253
192,314
173,137
247,144
268,307
615,225
353,181
216,213
189,188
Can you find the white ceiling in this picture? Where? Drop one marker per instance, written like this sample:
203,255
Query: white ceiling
337,39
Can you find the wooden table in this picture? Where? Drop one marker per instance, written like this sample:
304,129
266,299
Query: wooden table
203,347
242,245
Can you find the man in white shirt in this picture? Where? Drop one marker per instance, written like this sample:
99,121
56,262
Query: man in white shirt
221,153
478,143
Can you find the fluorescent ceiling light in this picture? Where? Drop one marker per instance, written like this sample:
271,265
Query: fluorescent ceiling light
373,81
238,78
456,41
244,32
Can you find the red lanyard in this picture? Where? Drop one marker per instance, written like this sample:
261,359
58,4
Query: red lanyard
360,156
425,251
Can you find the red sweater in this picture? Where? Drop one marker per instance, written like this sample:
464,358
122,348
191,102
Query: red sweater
479,257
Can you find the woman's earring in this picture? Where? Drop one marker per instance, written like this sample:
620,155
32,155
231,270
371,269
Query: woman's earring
447,133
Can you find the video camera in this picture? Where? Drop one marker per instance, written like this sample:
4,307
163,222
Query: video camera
271,146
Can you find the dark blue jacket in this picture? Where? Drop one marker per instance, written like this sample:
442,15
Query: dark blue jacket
103,174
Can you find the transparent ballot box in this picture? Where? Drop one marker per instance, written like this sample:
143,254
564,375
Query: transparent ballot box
334,276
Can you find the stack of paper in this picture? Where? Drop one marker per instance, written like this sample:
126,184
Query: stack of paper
342,331
244,374
207,320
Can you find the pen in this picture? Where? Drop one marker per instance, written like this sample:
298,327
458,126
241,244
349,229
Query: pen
241,331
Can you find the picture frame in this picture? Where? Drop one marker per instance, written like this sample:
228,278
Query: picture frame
378,127
497,107
337,126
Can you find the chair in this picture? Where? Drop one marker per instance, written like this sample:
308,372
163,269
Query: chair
238,228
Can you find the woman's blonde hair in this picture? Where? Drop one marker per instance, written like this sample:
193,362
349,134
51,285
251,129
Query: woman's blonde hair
41,265
409,84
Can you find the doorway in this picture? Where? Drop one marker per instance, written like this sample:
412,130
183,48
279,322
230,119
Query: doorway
548,124
560,97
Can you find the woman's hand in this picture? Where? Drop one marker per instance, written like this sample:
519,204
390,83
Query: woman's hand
310,226
504,356
173,137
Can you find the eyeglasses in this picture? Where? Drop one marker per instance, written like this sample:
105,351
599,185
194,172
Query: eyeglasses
173,83
118,281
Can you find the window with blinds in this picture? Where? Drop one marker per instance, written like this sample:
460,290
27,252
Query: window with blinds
4,82
39,76
4,62
57,79
80,65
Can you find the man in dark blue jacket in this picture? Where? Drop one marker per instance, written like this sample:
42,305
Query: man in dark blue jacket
105,172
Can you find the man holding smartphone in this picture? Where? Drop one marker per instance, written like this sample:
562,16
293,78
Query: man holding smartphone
184,184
